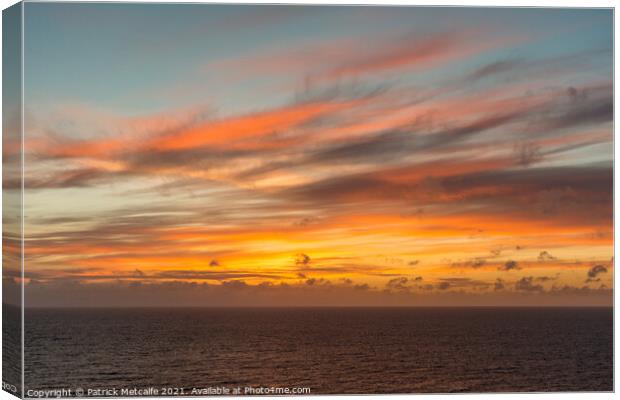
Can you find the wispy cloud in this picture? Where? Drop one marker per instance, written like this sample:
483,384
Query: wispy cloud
339,162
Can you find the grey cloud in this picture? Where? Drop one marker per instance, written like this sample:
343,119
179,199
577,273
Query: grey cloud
581,194
318,281
596,106
302,260
389,144
528,153
545,256
462,283
526,284
595,271
399,283
94,274
475,263
509,266
545,278
383,147
235,284
494,69
240,293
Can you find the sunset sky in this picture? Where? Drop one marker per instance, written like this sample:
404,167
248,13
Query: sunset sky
289,155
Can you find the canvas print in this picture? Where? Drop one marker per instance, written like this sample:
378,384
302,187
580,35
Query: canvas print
215,199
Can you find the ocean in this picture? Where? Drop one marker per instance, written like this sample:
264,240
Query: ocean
329,350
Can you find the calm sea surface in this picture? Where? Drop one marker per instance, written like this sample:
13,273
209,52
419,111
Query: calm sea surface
363,350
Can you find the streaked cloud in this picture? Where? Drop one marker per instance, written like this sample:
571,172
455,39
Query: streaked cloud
405,164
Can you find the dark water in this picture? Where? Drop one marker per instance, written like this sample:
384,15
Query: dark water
329,350
11,348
